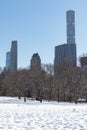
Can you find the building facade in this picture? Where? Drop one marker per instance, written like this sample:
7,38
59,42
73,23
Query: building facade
8,60
35,62
14,55
65,53
70,23
83,61
11,57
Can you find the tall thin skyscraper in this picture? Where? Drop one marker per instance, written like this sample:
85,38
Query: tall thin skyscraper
8,60
66,53
70,23
11,57
14,55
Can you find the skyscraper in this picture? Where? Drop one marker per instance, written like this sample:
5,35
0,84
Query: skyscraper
67,52
70,23
14,55
8,60
11,57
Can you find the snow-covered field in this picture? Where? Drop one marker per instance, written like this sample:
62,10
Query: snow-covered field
33,115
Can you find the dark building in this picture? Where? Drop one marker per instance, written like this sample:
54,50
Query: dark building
11,57
35,62
66,53
14,55
83,61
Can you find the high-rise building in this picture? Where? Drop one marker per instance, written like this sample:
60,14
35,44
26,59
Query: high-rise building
11,57
8,60
35,62
14,55
70,23
67,52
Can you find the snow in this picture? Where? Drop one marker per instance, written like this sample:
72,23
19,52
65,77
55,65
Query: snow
33,115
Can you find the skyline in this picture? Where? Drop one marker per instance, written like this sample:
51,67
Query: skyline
39,26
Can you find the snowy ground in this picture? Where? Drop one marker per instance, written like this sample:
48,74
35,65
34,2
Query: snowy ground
33,115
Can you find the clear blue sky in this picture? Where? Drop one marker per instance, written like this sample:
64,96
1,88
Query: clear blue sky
38,26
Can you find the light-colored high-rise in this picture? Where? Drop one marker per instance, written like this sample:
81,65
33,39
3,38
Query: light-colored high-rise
70,23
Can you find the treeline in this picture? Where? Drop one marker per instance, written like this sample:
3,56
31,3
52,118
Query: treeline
68,83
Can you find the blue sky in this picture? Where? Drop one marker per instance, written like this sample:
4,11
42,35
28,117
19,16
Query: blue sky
39,26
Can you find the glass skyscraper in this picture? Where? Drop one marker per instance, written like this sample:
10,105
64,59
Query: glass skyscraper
67,52
8,60
11,57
